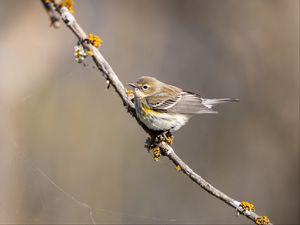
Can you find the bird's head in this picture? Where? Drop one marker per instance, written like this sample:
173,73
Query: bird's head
145,86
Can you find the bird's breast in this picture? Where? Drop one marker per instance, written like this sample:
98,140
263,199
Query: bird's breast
159,121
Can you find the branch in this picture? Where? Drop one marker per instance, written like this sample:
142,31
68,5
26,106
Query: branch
54,19
243,208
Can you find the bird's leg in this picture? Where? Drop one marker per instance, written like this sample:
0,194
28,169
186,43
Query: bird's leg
152,143
166,136
159,138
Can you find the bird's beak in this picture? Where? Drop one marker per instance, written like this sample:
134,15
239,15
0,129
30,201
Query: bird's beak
132,85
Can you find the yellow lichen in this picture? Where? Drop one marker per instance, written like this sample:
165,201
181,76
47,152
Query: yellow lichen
247,206
156,153
170,140
69,4
130,93
90,53
95,40
262,220
178,168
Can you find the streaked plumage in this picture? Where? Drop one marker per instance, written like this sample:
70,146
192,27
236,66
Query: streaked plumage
163,107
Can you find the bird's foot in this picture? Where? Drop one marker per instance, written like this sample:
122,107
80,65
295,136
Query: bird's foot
152,144
170,138
166,136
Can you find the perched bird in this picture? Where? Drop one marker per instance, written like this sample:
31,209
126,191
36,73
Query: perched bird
166,108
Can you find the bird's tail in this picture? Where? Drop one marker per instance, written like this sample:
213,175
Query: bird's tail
209,103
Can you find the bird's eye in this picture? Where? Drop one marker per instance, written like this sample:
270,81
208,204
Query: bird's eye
145,87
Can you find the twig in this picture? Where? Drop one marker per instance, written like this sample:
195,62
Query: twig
167,150
54,19
205,185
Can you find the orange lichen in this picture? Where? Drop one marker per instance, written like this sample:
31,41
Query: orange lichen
170,140
95,40
178,168
90,53
69,4
247,206
130,94
262,220
156,153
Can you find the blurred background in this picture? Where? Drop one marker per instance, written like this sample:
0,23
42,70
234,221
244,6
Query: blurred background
66,141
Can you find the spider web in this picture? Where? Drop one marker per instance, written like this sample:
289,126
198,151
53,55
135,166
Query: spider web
92,212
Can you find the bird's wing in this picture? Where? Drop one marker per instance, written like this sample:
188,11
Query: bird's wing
182,102
191,103
163,101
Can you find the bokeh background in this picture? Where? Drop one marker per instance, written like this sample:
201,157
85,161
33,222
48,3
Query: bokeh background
65,140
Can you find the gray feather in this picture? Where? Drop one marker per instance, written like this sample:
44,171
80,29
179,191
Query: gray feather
183,102
209,103
191,103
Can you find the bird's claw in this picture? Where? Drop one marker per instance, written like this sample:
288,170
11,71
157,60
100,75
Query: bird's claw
165,137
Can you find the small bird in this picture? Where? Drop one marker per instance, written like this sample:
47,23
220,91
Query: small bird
166,108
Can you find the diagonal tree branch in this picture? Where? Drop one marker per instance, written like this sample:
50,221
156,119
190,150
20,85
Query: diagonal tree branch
111,77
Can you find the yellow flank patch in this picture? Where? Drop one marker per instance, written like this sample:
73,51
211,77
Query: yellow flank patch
149,112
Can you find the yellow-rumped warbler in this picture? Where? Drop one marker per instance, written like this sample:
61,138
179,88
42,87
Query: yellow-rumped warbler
166,108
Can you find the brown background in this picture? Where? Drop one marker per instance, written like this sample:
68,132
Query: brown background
57,119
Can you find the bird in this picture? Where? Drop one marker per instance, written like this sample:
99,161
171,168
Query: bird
165,108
